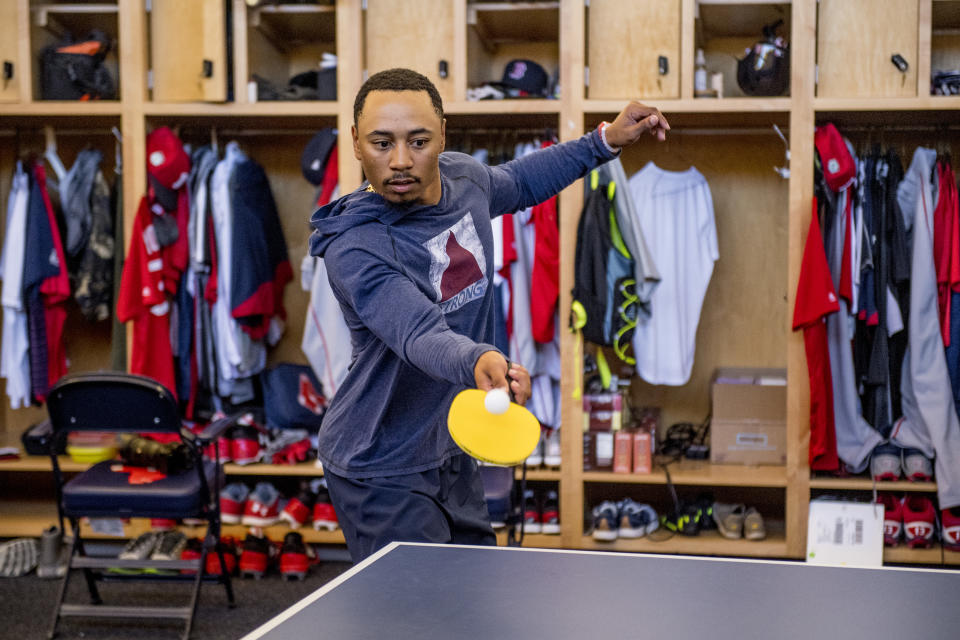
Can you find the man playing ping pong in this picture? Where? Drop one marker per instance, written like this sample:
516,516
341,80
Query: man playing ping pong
410,260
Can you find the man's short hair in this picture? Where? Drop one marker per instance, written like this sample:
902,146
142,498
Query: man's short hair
397,80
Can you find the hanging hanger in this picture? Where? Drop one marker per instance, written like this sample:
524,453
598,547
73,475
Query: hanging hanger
50,153
213,140
784,171
117,150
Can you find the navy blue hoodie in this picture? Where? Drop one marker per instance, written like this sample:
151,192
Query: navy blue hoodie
414,283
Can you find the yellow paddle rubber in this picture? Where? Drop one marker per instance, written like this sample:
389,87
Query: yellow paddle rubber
506,439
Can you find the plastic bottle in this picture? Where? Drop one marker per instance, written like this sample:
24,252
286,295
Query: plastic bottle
700,73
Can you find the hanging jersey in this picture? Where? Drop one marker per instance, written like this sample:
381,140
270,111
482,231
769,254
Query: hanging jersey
676,216
14,359
815,300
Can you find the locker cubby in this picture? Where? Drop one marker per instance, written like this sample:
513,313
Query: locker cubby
51,21
747,295
945,38
856,42
286,40
633,49
725,30
498,32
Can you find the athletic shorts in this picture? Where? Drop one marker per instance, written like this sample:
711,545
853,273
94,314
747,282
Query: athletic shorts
442,505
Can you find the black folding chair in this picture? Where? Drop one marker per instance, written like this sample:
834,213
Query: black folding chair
119,402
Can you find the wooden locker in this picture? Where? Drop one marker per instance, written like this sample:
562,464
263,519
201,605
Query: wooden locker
420,37
625,43
10,65
188,50
856,40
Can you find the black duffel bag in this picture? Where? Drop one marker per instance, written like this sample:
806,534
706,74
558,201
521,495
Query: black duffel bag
74,70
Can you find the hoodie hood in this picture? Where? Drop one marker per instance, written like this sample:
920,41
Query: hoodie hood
352,210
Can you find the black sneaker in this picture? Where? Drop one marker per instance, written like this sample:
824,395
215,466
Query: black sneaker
169,546
141,547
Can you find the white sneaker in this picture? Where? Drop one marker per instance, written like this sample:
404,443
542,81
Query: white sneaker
551,449
535,459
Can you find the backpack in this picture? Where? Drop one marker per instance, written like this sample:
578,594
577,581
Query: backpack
590,262
75,71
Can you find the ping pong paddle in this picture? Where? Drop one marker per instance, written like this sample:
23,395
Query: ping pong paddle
506,438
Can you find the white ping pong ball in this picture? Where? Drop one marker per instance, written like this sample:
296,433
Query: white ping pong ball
497,401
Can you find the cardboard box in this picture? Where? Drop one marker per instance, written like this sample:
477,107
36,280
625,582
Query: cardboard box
749,416
642,451
622,451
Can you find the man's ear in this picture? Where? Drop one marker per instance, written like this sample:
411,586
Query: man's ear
356,141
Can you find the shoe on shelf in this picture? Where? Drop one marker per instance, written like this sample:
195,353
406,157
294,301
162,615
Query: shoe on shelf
550,518
950,528
532,518
551,449
245,444
227,544
298,509
294,557
892,518
324,517
753,527
169,546
916,466
535,459
729,519
704,503
605,520
18,557
233,500
919,521
885,462
256,556
635,520
263,506
140,547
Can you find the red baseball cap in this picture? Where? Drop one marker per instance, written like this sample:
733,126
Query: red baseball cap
167,162
839,167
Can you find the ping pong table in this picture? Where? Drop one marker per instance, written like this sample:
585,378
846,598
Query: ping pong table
428,591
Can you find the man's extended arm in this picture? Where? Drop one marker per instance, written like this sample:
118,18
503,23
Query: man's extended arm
529,180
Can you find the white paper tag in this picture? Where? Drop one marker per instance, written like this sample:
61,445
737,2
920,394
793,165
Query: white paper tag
845,533
107,526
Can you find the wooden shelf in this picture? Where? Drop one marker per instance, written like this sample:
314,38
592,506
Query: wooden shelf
866,484
497,107
906,555
70,109
497,23
292,25
271,110
695,105
540,475
708,543
43,13
42,464
535,540
695,472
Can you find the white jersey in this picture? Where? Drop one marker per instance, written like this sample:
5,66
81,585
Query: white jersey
15,358
675,209
326,338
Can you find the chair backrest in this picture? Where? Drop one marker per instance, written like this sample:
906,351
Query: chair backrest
112,401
